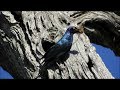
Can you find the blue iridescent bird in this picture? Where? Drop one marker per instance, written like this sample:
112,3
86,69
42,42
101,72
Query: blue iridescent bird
62,47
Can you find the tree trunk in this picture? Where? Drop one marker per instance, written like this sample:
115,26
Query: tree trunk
26,35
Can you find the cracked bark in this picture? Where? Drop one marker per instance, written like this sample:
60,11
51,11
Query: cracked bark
26,35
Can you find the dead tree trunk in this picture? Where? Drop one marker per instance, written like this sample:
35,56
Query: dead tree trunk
26,35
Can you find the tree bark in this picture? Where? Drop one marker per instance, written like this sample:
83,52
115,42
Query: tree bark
26,35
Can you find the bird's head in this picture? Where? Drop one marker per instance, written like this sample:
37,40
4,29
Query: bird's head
73,29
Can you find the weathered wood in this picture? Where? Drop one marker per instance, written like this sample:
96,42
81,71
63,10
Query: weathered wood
26,35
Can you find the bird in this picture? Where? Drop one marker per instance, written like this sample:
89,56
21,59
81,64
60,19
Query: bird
62,47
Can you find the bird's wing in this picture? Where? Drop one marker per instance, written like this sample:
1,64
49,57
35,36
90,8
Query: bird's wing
56,51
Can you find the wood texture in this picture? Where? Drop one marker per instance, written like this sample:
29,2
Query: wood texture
26,35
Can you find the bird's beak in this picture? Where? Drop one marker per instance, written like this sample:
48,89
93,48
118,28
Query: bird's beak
77,30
